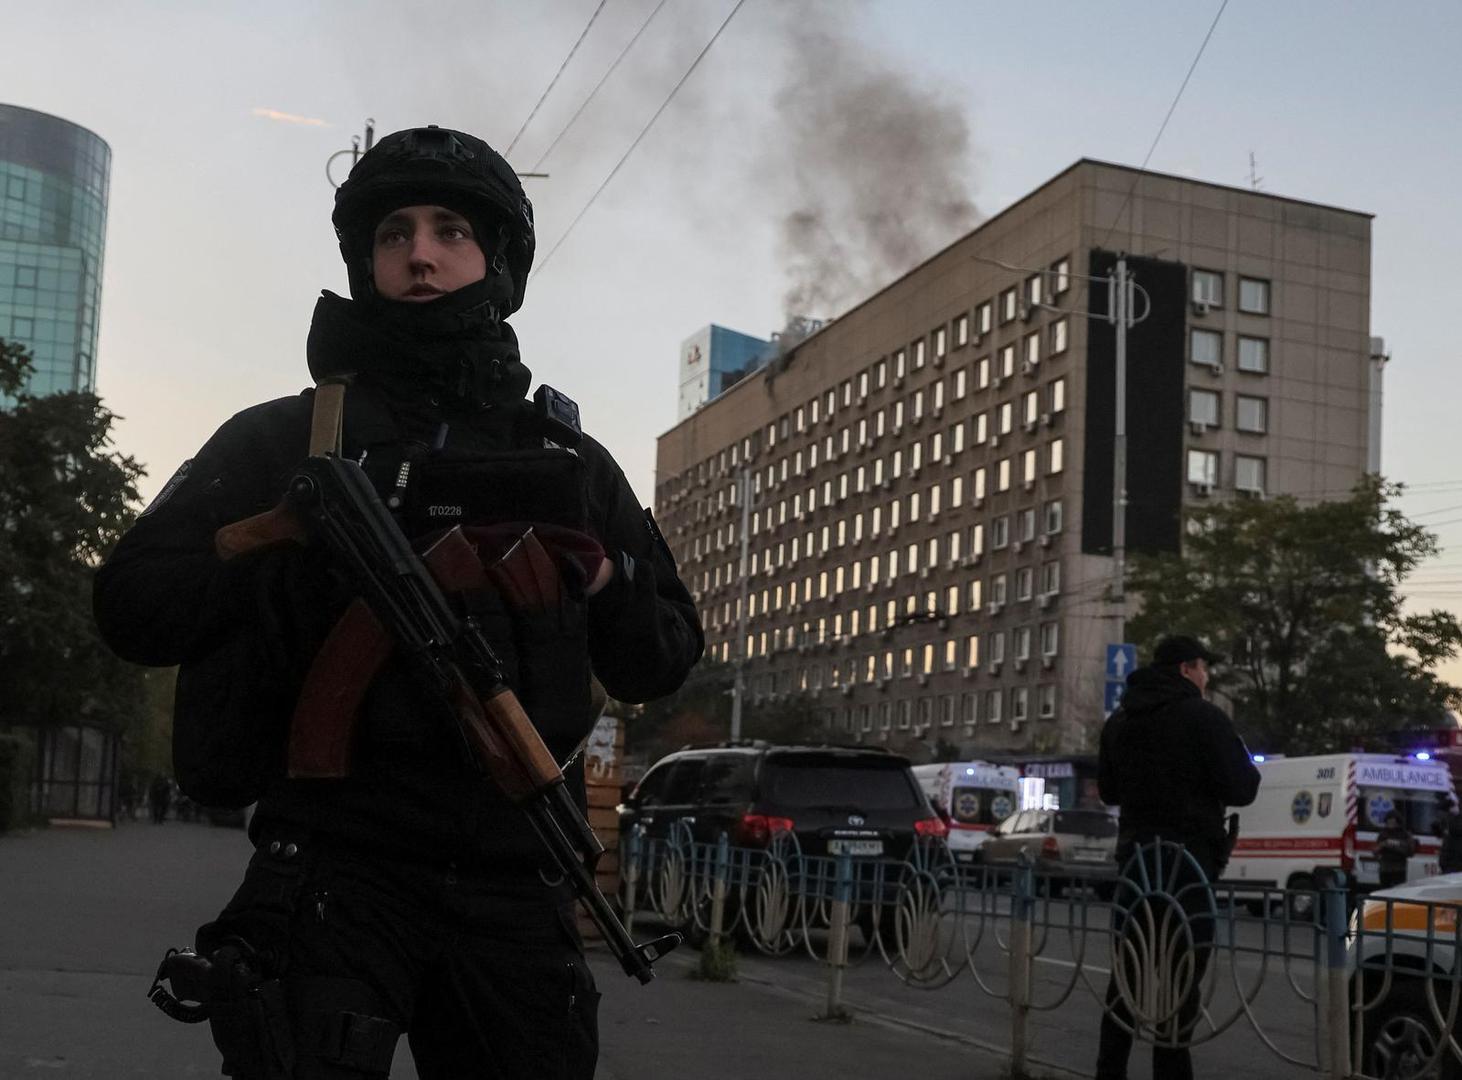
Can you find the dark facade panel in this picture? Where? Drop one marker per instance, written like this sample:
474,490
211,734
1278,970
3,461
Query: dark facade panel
1156,355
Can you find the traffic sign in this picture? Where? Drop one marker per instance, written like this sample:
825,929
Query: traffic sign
1121,661
1113,696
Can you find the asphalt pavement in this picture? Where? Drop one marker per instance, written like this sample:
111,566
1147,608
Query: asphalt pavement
87,914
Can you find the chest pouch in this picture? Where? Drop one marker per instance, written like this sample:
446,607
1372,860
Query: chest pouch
542,485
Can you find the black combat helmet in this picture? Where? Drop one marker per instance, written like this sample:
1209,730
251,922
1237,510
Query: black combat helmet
439,167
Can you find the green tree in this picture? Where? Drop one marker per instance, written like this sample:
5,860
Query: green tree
66,499
1307,602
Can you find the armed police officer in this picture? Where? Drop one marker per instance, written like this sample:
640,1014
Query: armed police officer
1173,763
399,891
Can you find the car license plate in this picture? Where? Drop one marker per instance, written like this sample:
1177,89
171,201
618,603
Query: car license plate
855,847
1090,854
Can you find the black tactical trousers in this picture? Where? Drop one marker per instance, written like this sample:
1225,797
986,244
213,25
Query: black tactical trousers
487,977
1179,925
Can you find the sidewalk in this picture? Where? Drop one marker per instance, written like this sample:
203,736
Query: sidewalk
679,1027
87,913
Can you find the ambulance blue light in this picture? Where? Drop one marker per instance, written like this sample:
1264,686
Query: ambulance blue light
969,772
1422,755
1257,758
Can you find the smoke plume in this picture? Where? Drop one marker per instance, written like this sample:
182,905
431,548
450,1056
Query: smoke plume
874,169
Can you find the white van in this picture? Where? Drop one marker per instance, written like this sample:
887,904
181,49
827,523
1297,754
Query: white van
973,796
1325,811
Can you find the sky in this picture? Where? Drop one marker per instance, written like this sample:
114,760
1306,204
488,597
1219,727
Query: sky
219,240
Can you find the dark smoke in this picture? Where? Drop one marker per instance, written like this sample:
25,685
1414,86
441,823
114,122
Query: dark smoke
876,171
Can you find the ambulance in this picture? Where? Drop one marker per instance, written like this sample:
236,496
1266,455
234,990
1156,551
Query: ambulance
1325,811
973,796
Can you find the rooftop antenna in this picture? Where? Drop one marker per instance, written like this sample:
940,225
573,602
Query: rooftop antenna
1255,181
356,150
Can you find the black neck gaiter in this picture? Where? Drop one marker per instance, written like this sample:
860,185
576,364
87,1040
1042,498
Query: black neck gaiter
453,352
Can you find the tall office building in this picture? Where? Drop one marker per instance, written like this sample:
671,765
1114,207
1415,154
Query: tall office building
54,178
929,529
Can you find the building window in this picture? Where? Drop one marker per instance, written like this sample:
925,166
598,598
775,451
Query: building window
1025,586
1058,337
997,596
1058,456
1002,475
1249,474
1050,578
1033,289
1030,407
1208,288
939,343
1032,350
1047,701
1007,306
1007,361
961,331
1251,414
983,317
979,428
918,348
1053,516
999,533
992,707
1253,296
1203,467
1203,407
982,373
1028,466
1050,636
1026,530
1205,347
1060,276
1254,354
1058,395
972,651
898,368
1007,418
880,379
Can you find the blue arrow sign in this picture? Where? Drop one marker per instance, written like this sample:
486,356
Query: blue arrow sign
1113,696
1121,661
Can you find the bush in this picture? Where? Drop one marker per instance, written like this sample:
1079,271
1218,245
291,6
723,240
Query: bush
17,765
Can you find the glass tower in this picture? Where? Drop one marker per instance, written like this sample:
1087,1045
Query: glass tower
54,178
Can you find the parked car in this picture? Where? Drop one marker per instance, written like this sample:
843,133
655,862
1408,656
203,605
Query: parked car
1412,931
834,799
1066,845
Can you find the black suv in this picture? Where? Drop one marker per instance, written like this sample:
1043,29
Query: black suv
835,799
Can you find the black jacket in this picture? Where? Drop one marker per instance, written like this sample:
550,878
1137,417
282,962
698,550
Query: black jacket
1173,762
165,598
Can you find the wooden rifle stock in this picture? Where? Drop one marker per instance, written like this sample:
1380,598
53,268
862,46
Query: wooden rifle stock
276,526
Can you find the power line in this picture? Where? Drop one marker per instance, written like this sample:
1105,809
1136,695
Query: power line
638,138
554,81
592,93
1164,125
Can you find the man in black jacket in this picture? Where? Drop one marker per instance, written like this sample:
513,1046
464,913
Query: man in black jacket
1173,763
407,895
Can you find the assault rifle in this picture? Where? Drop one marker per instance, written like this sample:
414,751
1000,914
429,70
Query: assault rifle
453,660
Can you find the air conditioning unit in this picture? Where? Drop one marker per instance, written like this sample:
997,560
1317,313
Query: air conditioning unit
937,411
1029,485
1028,368
1214,368
1048,661
893,530
913,471
975,337
1020,662
923,680
977,501
1198,427
1019,546
885,483
1202,489
938,360
1045,540
848,690
1030,425
923,571
969,672
994,440
1027,311
994,607
995,666
1201,307
998,380
1251,492
1045,419
1016,722
1044,600
898,380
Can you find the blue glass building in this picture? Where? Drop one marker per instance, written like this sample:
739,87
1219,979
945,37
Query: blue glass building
54,177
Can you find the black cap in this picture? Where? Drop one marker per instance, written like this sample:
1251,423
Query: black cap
1182,649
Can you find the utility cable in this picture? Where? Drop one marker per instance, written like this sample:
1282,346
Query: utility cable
1164,125
638,139
554,81
592,93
